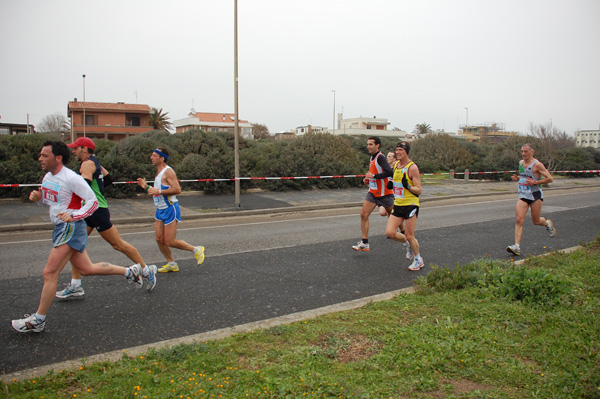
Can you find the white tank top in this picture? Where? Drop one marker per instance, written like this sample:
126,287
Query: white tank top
163,201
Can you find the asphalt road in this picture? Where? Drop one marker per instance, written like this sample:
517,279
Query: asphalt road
259,267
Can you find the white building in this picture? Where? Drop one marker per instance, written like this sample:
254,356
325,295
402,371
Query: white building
368,126
212,122
301,130
587,138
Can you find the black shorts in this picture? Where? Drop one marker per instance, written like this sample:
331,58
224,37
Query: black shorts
536,196
100,220
405,211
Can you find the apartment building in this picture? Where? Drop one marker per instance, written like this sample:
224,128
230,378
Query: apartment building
111,121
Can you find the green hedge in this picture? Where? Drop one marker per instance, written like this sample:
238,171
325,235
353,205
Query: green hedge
204,155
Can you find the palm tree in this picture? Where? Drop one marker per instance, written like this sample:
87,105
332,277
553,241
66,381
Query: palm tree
159,120
423,128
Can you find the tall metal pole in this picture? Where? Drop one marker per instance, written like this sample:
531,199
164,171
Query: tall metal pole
333,125
83,105
236,129
467,121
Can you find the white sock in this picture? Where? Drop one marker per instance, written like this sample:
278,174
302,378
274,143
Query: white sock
75,282
172,263
128,272
40,317
146,271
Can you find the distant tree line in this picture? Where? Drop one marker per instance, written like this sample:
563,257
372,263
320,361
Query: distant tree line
206,155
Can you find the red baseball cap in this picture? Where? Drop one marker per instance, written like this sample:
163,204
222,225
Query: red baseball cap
83,142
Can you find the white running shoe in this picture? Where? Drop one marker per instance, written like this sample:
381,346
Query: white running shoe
151,277
361,246
416,265
136,276
550,228
29,324
70,292
514,249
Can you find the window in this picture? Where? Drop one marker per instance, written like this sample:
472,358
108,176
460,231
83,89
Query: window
132,120
90,120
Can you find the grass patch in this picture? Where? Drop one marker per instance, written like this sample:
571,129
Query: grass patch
488,329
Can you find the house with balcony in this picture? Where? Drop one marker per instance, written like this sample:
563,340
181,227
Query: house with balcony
212,122
494,132
13,129
111,121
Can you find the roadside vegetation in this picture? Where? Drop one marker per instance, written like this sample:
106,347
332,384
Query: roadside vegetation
205,155
489,329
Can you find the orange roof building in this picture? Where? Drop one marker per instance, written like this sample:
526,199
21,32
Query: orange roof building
112,121
212,122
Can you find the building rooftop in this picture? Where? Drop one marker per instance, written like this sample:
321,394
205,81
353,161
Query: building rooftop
80,105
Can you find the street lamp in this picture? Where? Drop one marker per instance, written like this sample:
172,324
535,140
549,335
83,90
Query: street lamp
333,125
467,121
84,105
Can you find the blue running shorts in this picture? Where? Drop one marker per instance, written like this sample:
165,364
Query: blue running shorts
73,234
169,215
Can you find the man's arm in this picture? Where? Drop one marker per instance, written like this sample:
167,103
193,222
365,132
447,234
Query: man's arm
83,190
387,169
171,181
540,170
415,176
107,178
87,170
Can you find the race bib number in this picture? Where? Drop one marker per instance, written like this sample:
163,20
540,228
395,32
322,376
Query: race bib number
523,188
372,184
50,192
398,190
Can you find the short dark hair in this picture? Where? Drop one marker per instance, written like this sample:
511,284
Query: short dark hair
59,148
376,139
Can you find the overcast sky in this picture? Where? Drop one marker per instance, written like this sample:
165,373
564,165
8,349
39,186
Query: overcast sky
514,62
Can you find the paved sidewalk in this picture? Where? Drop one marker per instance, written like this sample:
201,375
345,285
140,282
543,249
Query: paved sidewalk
22,215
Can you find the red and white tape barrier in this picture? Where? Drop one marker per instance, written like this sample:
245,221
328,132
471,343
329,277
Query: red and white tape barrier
316,177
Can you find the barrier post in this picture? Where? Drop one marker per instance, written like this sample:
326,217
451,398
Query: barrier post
451,175
466,175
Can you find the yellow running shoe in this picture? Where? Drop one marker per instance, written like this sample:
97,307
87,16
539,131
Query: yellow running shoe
199,254
169,268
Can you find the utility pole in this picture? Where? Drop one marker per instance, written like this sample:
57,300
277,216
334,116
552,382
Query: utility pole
84,105
236,129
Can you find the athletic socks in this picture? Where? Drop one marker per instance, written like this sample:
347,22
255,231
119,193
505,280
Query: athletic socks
75,282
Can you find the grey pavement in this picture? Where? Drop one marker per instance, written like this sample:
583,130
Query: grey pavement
24,215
